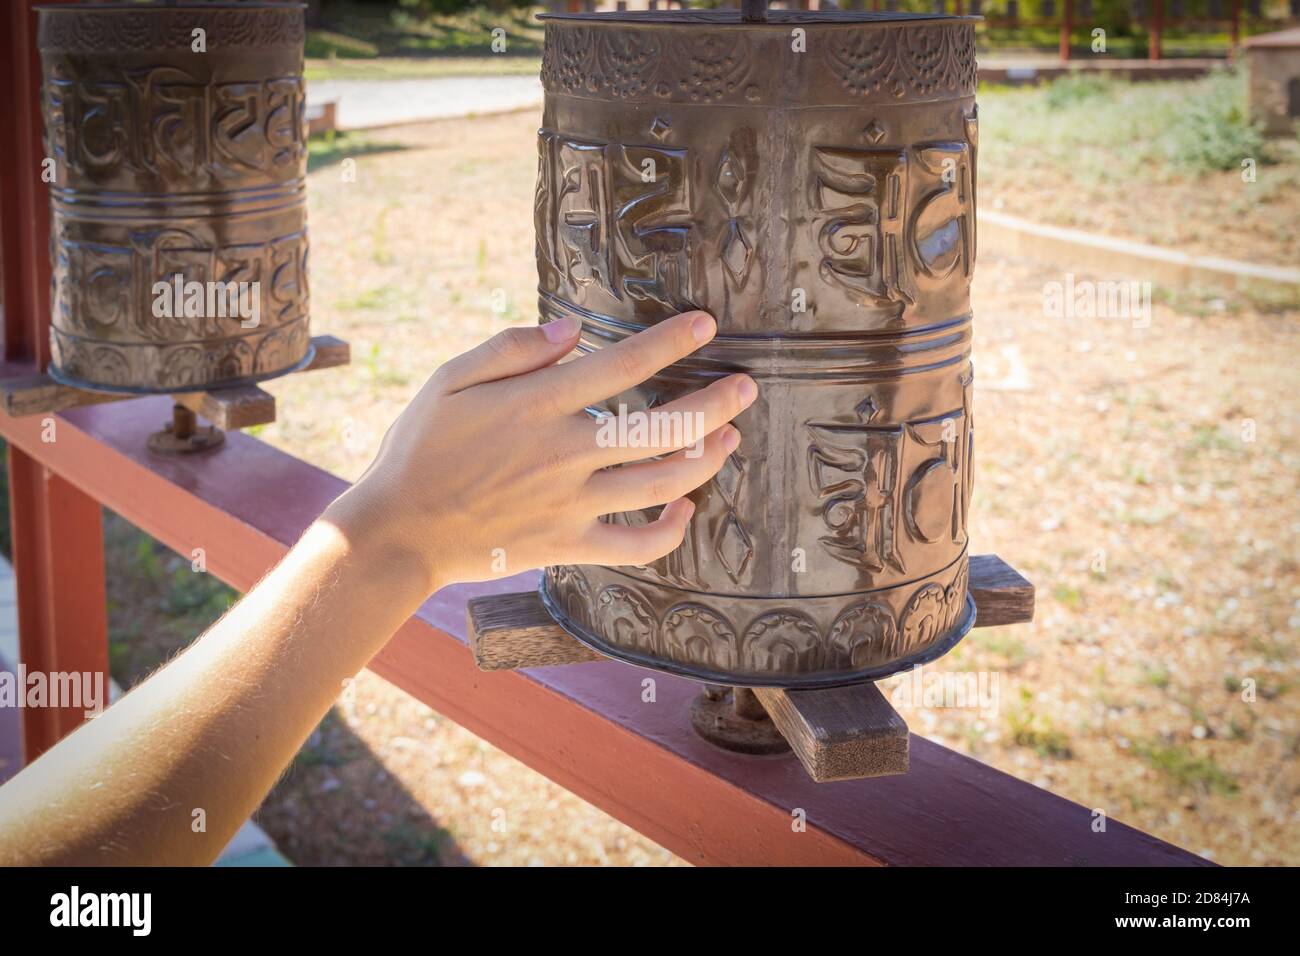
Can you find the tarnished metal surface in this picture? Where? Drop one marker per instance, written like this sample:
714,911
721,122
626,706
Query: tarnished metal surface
812,185
171,161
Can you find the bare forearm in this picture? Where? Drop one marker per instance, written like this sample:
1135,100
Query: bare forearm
170,772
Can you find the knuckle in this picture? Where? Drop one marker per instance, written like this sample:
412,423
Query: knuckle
555,462
443,375
540,404
508,343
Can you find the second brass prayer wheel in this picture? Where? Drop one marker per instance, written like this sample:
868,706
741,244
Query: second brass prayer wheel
810,181
177,137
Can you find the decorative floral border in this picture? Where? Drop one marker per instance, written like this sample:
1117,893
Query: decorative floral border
706,63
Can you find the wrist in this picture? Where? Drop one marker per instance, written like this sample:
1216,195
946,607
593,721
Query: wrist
378,536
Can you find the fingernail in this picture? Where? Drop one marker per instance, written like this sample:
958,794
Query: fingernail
560,330
703,327
731,439
690,509
748,390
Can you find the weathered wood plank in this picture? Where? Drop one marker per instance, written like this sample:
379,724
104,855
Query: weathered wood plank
240,407
34,394
840,733
1002,594
510,631
331,352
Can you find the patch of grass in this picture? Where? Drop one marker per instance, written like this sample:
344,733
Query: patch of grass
1210,438
420,27
418,846
380,252
1034,730
1213,131
1155,675
381,298
1004,643
1145,517
1187,771
1068,595
1075,88
327,44
332,148
1107,133
382,372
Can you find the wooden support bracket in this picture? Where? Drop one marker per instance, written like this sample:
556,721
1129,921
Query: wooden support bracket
512,631
238,407
838,733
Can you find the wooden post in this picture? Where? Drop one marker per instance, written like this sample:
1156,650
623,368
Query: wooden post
59,573
1157,28
57,530
1067,26
1236,27
24,199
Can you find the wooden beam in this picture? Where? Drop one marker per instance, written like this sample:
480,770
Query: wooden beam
587,728
1067,27
58,544
240,407
331,352
37,394
227,408
509,631
516,630
1002,594
840,733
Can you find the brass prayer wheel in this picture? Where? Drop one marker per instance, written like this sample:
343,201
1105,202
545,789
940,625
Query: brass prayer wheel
178,218
809,179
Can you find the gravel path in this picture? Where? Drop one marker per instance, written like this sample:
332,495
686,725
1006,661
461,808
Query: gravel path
364,104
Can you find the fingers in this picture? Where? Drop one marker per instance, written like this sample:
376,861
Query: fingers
508,353
612,370
616,544
678,424
650,483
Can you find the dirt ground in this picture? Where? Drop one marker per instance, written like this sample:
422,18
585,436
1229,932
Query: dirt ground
1144,478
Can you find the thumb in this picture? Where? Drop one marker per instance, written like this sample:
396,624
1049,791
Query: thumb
513,351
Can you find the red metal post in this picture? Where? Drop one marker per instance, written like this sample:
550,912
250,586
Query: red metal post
1067,26
1157,28
57,529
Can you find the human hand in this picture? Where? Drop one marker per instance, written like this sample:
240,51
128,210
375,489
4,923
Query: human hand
494,468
